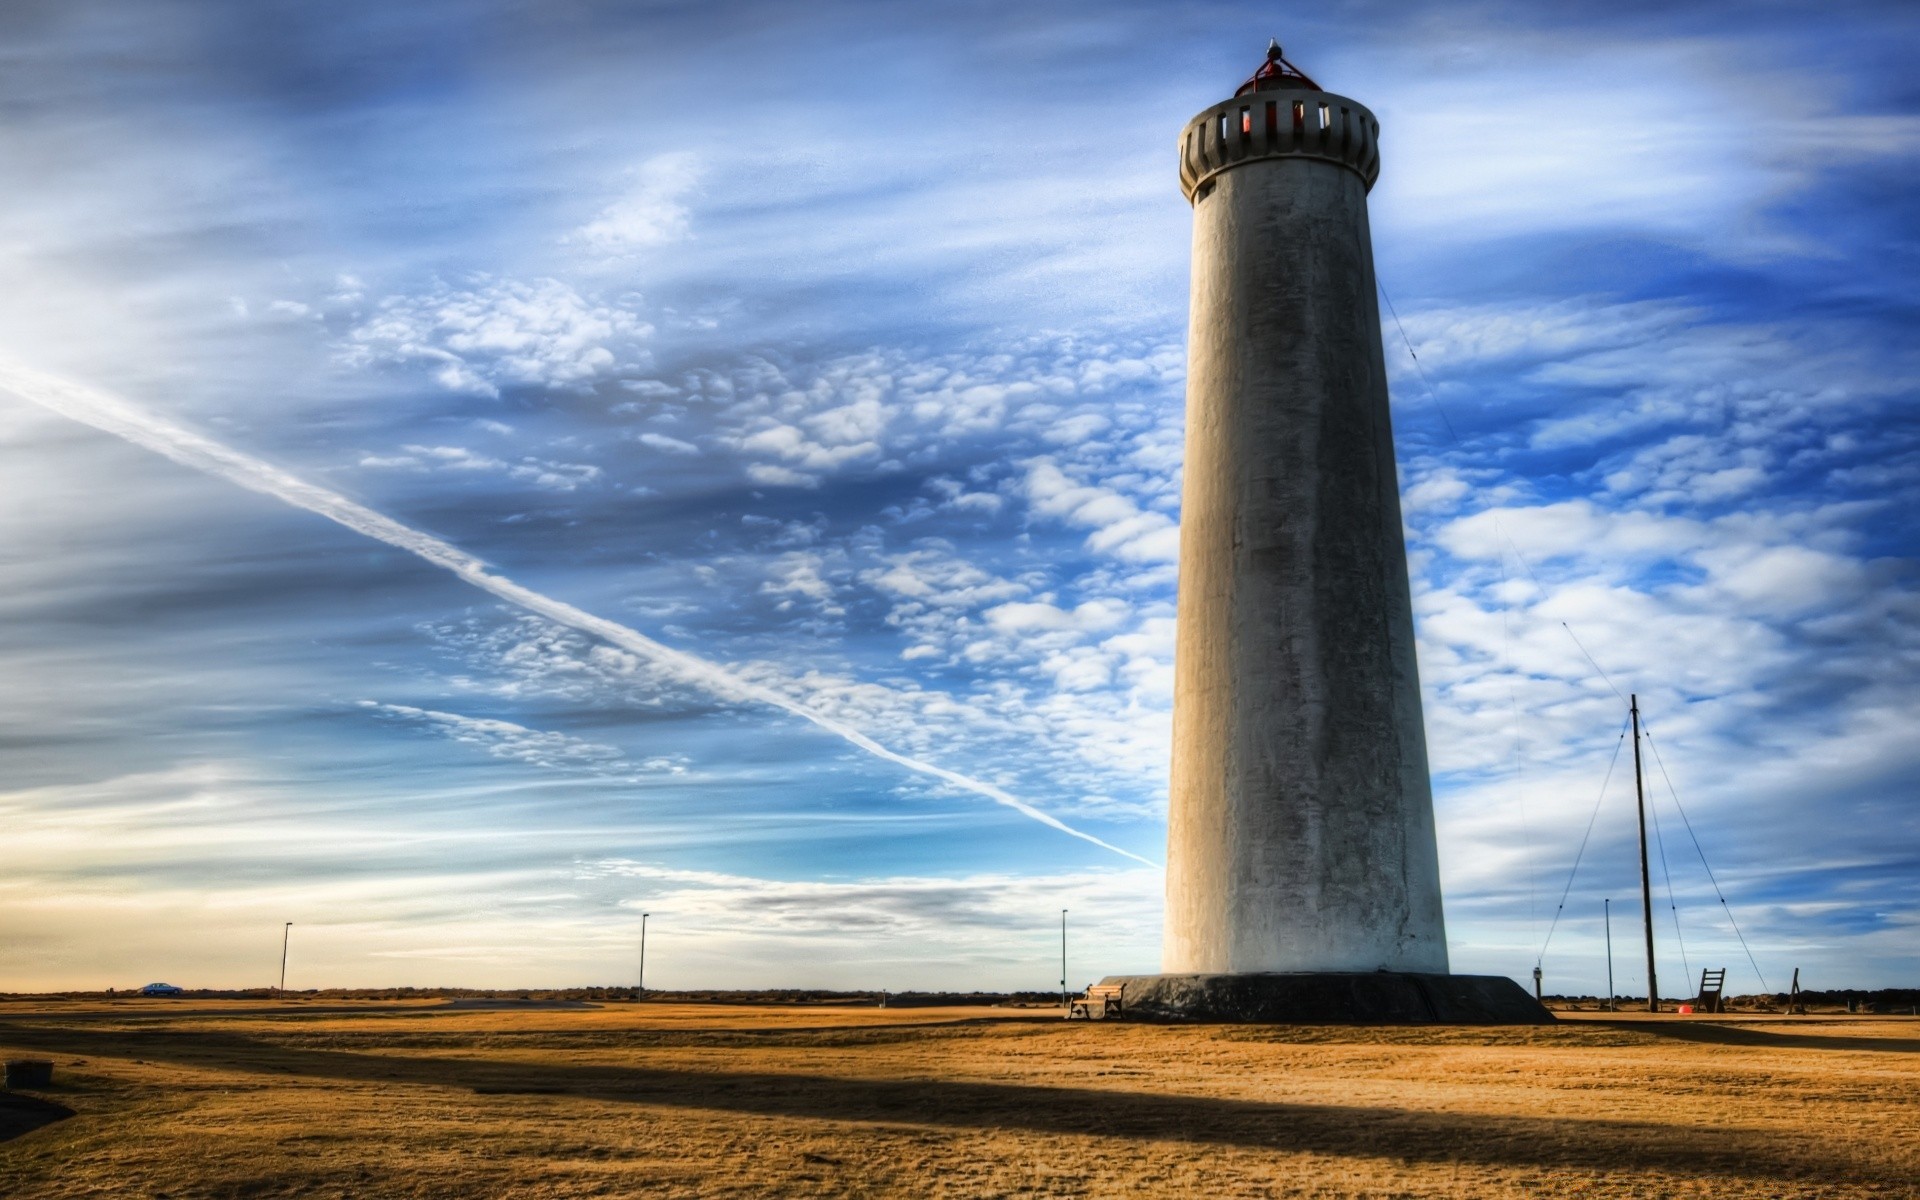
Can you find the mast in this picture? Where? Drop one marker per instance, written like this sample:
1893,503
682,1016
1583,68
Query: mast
1646,879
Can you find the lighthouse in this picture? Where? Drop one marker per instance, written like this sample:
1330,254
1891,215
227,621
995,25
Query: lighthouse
1303,880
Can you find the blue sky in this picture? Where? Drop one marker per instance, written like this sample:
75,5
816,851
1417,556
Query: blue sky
841,346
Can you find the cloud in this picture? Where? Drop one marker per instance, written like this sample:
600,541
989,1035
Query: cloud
1459,167
1091,616
116,416
651,212
1785,580
665,444
777,476
795,446
944,910
872,413
502,333
538,748
449,458
1669,335
1119,525
801,576
542,473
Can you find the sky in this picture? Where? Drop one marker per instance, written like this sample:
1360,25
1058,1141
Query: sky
474,473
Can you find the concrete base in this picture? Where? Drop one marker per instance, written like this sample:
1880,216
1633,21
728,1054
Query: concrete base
1330,998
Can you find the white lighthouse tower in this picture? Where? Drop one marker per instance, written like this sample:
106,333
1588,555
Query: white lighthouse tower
1303,881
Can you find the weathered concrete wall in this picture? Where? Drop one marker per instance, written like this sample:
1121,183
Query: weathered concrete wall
1301,825
1329,997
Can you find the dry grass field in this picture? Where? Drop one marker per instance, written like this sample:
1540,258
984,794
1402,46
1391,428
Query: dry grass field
185,1099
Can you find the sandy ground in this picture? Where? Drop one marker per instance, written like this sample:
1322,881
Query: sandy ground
175,1100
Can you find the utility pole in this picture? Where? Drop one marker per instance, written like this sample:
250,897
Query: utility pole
1063,959
286,935
1607,909
643,952
1646,879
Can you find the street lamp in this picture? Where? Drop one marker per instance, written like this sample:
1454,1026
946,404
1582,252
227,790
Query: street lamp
1063,958
643,952
286,935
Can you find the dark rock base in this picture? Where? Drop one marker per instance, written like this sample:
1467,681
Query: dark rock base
1330,998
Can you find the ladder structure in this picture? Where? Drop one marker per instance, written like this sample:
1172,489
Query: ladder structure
1712,983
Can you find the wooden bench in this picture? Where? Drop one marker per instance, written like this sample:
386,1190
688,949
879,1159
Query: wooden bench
1101,1001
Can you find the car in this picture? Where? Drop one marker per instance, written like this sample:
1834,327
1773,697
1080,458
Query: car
161,989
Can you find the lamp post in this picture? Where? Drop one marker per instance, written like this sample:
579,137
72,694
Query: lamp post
643,952
286,935
1063,959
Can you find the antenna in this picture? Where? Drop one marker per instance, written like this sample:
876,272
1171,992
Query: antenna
1646,879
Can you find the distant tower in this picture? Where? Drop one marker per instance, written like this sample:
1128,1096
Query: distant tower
1300,833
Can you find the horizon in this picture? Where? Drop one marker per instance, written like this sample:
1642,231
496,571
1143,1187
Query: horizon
855,398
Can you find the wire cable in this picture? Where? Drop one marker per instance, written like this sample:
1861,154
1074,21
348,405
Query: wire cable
1672,907
1568,890
1720,895
1433,398
1519,775
1604,678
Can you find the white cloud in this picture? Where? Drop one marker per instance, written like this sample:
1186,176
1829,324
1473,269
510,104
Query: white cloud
554,476
665,444
778,476
801,575
542,473
1784,580
932,576
651,212
1572,528
792,444
1440,490
885,411
538,748
502,333
1696,151
938,915
1092,616
425,458
1120,527
1454,338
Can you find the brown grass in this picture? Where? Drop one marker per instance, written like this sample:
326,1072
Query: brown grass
374,1099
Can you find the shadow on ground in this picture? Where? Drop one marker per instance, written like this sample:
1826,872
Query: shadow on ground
1760,1039
1405,1134
20,1114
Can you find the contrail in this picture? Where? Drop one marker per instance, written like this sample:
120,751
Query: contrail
123,419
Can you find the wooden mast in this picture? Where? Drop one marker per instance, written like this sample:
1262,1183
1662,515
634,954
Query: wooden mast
1646,879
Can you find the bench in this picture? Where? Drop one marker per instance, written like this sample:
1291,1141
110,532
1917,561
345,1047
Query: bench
1099,1002
28,1073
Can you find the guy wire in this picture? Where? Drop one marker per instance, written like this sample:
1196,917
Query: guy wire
1673,908
1564,892
1721,896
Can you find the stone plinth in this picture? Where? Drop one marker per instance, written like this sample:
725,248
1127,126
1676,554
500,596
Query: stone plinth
1330,998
